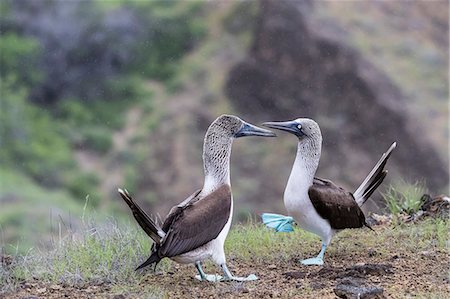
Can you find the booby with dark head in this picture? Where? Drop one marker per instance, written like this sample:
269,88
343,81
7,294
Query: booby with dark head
318,205
196,229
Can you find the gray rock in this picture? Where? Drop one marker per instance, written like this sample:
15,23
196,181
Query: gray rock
350,288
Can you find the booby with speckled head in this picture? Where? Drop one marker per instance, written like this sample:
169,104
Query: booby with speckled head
318,205
196,229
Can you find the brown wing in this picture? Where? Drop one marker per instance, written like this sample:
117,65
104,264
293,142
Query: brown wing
196,223
335,204
176,210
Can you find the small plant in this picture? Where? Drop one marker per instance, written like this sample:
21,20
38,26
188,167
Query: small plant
404,198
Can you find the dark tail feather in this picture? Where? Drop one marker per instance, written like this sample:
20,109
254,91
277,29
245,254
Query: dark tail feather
377,182
374,178
154,258
147,224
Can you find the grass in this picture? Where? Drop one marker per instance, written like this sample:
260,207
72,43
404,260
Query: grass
32,212
96,254
106,256
404,197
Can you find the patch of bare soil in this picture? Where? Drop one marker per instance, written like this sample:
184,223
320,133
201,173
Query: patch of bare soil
397,276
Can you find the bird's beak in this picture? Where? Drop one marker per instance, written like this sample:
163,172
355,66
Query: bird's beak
251,130
288,126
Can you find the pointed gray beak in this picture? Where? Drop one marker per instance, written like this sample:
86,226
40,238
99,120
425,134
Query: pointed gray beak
251,130
289,126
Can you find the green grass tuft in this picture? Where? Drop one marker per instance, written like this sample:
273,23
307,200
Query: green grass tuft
404,197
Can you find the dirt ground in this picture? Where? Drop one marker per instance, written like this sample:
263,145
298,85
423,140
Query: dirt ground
423,274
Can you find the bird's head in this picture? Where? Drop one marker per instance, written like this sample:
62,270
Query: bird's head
303,128
233,127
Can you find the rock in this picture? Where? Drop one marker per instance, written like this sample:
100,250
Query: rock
350,288
272,266
295,274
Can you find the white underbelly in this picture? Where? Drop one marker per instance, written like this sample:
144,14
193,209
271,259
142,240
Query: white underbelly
307,218
200,254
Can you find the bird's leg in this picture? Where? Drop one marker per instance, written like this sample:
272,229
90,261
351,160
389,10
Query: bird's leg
206,277
318,260
228,276
279,222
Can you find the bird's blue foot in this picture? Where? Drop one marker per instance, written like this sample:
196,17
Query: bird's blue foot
313,261
318,260
209,277
202,276
278,222
228,276
251,277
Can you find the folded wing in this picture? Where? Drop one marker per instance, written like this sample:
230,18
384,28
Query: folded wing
336,205
197,223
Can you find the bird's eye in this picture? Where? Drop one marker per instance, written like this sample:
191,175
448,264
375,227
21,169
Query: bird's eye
299,127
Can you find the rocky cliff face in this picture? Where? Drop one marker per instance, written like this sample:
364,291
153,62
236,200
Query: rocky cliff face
298,67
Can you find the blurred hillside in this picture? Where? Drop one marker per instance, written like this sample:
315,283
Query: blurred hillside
100,95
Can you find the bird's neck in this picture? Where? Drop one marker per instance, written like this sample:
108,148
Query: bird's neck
216,161
305,166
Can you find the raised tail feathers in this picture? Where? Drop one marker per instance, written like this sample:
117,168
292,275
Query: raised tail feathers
148,225
374,178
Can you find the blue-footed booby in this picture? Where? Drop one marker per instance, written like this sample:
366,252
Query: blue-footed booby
196,229
318,205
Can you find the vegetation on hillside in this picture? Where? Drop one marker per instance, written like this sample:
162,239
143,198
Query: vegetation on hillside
69,72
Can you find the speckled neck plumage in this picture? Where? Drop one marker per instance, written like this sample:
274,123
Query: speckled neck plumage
305,165
216,158
308,155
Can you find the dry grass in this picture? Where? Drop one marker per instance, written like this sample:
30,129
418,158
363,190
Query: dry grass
100,261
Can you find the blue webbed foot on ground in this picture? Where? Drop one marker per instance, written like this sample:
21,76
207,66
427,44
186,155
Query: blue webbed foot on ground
313,261
229,277
209,277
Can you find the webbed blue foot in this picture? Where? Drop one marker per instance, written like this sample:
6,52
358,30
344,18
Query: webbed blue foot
209,277
278,222
318,260
251,277
313,261
228,276
202,276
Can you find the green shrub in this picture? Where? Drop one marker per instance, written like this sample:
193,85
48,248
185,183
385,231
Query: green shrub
404,198
18,59
30,140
